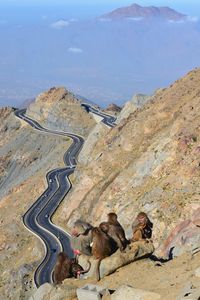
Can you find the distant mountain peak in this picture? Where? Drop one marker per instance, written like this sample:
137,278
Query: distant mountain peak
145,12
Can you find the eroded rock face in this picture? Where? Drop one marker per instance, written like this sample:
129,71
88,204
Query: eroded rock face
136,102
59,109
185,236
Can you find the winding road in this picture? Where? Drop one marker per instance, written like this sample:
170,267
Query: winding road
38,218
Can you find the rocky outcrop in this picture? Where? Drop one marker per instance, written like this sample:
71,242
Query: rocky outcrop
113,109
60,109
48,291
136,102
117,260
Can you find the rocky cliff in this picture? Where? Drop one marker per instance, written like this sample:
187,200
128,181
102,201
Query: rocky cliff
149,162
60,109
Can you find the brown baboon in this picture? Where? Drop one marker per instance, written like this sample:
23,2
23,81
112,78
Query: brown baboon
115,231
101,247
77,270
142,227
81,237
114,234
62,268
67,268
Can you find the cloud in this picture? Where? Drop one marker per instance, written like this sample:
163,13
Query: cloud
187,19
192,19
73,20
177,22
104,19
75,50
60,24
135,19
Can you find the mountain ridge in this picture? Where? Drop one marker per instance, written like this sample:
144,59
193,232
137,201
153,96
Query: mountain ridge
138,11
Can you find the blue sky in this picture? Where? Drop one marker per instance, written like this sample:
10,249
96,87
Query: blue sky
100,2
186,6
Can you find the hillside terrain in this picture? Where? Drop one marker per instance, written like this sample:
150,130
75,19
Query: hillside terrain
25,157
149,162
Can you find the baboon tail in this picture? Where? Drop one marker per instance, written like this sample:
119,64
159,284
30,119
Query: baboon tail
88,269
97,271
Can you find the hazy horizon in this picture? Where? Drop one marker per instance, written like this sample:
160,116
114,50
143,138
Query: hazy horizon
48,43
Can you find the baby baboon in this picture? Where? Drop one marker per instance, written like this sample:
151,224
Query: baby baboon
142,227
101,247
81,237
115,230
62,268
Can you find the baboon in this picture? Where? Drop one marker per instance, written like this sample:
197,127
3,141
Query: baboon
142,227
114,229
115,234
62,268
77,270
101,247
67,267
82,237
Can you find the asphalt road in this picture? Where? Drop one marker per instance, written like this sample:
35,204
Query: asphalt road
38,218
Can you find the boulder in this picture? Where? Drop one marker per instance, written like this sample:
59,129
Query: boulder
50,292
41,292
130,293
118,259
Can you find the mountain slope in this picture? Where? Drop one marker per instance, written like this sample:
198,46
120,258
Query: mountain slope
26,155
137,11
149,162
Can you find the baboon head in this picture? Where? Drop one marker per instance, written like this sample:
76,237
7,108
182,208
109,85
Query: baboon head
112,218
104,226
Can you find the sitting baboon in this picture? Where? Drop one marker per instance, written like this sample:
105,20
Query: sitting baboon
101,247
62,268
67,268
81,237
142,227
114,229
76,269
115,234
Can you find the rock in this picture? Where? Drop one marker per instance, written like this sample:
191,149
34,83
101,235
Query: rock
187,292
42,291
130,293
118,259
50,292
137,101
197,272
191,295
91,292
